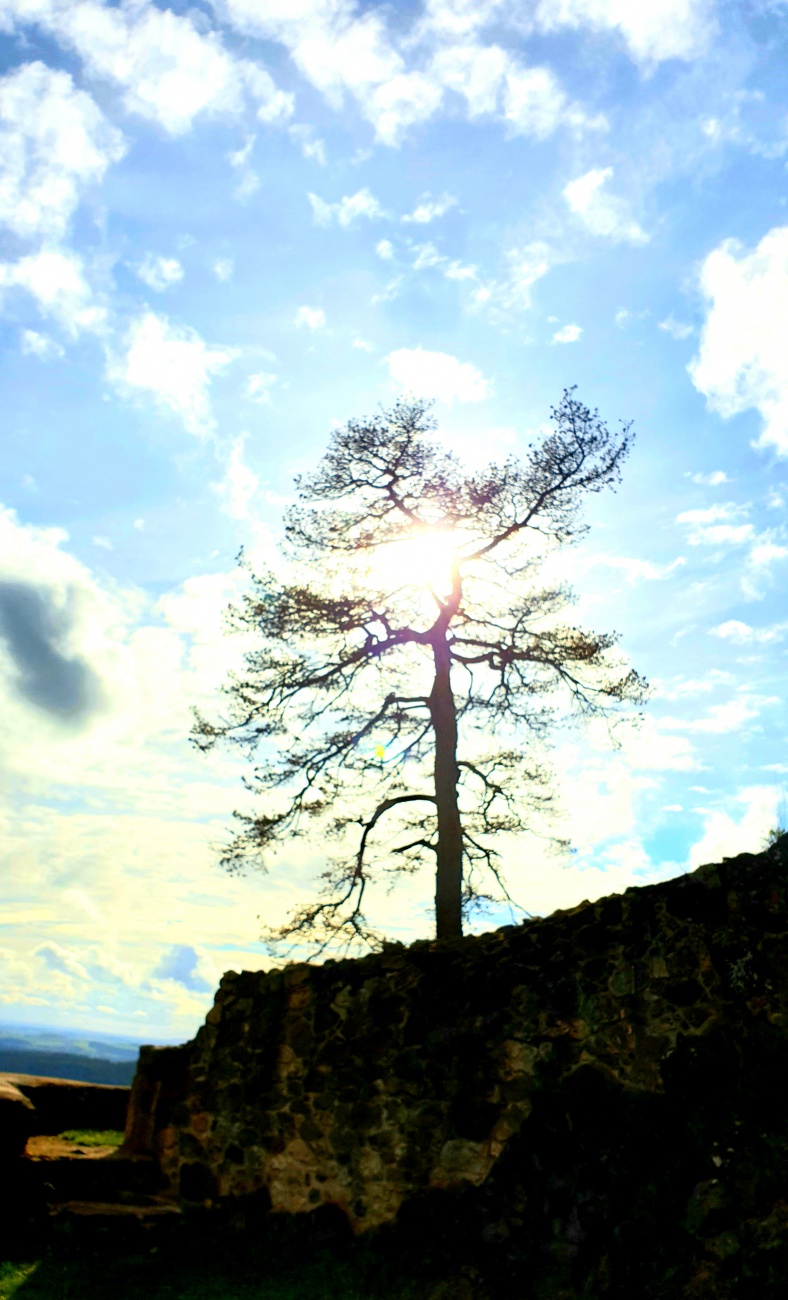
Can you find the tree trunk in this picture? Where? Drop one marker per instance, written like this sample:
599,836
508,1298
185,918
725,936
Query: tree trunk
448,879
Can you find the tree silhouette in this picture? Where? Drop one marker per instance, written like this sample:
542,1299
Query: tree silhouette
410,618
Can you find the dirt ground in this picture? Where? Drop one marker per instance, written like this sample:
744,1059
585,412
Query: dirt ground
44,1147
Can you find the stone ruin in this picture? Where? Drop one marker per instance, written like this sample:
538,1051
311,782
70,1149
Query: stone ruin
553,1093
588,1105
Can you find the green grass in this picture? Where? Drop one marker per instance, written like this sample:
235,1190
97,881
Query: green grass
157,1277
12,1276
92,1137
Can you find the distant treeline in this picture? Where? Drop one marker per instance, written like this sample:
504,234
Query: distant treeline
66,1065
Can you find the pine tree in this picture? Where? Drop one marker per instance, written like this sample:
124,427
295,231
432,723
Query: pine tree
410,662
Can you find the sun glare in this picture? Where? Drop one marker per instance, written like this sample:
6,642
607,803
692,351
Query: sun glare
423,560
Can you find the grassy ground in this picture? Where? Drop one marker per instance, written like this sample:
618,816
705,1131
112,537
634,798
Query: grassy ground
91,1137
151,1277
12,1276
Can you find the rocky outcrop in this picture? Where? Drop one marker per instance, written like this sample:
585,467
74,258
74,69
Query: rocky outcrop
548,1096
59,1104
16,1120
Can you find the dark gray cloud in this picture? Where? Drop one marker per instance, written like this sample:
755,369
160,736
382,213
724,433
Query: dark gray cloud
34,629
180,964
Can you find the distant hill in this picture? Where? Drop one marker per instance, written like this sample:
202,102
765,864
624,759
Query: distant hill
64,1065
67,1054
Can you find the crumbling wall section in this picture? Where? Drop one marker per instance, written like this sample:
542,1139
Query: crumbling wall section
363,1083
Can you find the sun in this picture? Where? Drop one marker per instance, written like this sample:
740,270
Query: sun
424,559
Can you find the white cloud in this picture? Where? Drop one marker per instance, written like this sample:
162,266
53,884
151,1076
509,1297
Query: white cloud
240,483
362,345
524,267
459,271
343,52
60,959
675,328
389,291
765,553
56,280
635,570
716,525
459,17
40,345
249,183
429,209
747,123
476,72
530,101
437,374
159,272
712,479
534,104
170,72
653,29
742,634
427,256
223,269
603,214
311,147
335,50
385,250
129,855
54,142
258,387
400,103
349,209
725,837
680,687
740,365
568,334
239,158
314,318
721,718
173,364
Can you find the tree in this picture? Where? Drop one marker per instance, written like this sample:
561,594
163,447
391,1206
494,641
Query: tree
410,617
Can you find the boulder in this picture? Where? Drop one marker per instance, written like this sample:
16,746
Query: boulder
17,1120
61,1104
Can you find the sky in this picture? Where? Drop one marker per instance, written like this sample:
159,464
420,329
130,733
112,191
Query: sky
228,228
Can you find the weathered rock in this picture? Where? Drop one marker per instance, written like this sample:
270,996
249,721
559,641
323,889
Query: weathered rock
16,1120
60,1104
581,1101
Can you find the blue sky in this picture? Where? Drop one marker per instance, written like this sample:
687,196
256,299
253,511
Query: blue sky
227,227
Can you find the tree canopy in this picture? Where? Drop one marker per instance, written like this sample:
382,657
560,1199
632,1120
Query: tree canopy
408,658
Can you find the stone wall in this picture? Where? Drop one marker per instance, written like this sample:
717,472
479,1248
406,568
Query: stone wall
368,1084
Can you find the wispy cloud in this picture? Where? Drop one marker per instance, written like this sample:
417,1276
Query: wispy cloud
159,272
429,209
602,213
347,210
313,318
568,334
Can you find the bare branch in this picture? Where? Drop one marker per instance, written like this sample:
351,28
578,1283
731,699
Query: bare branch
347,700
